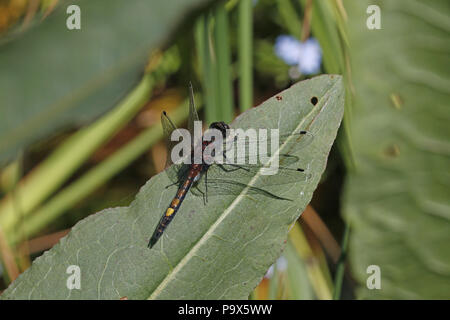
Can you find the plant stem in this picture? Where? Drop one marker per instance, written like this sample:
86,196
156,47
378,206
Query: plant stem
204,54
223,64
245,54
316,276
340,269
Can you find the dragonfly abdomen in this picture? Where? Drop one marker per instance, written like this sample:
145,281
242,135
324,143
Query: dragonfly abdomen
174,205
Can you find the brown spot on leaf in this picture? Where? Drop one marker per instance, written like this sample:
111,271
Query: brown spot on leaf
392,151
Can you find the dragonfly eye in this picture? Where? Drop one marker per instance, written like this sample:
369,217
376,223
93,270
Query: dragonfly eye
222,126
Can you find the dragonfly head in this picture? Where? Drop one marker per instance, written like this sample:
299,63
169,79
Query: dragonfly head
221,126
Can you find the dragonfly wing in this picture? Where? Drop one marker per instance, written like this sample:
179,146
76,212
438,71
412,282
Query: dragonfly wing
193,116
223,187
266,176
283,160
238,148
175,172
232,179
168,128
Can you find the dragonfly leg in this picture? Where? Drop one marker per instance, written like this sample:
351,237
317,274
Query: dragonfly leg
197,189
203,195
172,184
236,167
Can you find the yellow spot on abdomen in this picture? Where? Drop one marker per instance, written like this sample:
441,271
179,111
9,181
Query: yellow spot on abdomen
169,212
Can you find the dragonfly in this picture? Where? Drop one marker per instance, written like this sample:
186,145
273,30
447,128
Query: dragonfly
223,178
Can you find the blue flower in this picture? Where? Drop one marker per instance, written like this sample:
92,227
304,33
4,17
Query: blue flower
310,57
307,56
287,48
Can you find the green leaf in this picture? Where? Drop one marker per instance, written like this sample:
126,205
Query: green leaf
53,77
397,200
289,18
217,251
